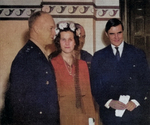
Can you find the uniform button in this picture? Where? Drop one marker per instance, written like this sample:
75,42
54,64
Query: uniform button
47,82
112,86
145,98
40,112
130,78
133,65
46,72
27,50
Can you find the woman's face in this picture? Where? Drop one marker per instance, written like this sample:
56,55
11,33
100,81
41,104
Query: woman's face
67,41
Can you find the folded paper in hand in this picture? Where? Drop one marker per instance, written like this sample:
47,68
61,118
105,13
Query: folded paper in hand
124,99
91,121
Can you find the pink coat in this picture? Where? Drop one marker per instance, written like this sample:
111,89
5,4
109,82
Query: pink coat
69,113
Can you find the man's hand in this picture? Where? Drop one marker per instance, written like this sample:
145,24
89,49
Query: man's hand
130,106
117,105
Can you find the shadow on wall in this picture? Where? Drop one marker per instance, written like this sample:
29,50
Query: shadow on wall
25,37
105,39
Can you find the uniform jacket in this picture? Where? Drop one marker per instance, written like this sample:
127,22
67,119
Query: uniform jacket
110,78
86,57
31,98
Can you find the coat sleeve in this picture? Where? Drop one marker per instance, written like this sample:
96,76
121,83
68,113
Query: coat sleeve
97,87
141,78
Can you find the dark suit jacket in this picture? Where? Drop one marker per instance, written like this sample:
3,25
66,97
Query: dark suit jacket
110,78
86,57
32,94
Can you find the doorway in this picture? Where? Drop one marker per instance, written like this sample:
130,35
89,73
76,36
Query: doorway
135,15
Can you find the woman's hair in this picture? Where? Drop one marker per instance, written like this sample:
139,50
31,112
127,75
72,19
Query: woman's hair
64,27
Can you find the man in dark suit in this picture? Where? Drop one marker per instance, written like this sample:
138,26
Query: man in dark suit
80,53
119,70
32,98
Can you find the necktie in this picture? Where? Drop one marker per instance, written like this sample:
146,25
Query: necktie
77,86
117,53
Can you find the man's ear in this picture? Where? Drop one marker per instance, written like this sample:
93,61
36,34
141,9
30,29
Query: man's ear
36,29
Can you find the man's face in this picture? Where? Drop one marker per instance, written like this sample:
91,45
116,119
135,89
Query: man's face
46,28
81,38
115,35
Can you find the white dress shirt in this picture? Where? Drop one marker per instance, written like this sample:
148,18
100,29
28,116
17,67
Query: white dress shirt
120,49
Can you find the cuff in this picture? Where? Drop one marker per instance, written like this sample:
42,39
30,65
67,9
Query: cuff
107,103
135,102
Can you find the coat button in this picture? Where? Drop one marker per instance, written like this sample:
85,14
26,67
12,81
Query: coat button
47,82
40,112
46,72
145,98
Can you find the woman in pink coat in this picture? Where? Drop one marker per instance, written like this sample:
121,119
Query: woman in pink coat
72,77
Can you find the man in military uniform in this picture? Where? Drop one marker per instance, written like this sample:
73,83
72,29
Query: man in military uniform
32,98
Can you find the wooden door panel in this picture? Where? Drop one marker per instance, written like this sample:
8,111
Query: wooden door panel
139,26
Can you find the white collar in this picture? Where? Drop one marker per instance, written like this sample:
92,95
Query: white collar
120,48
